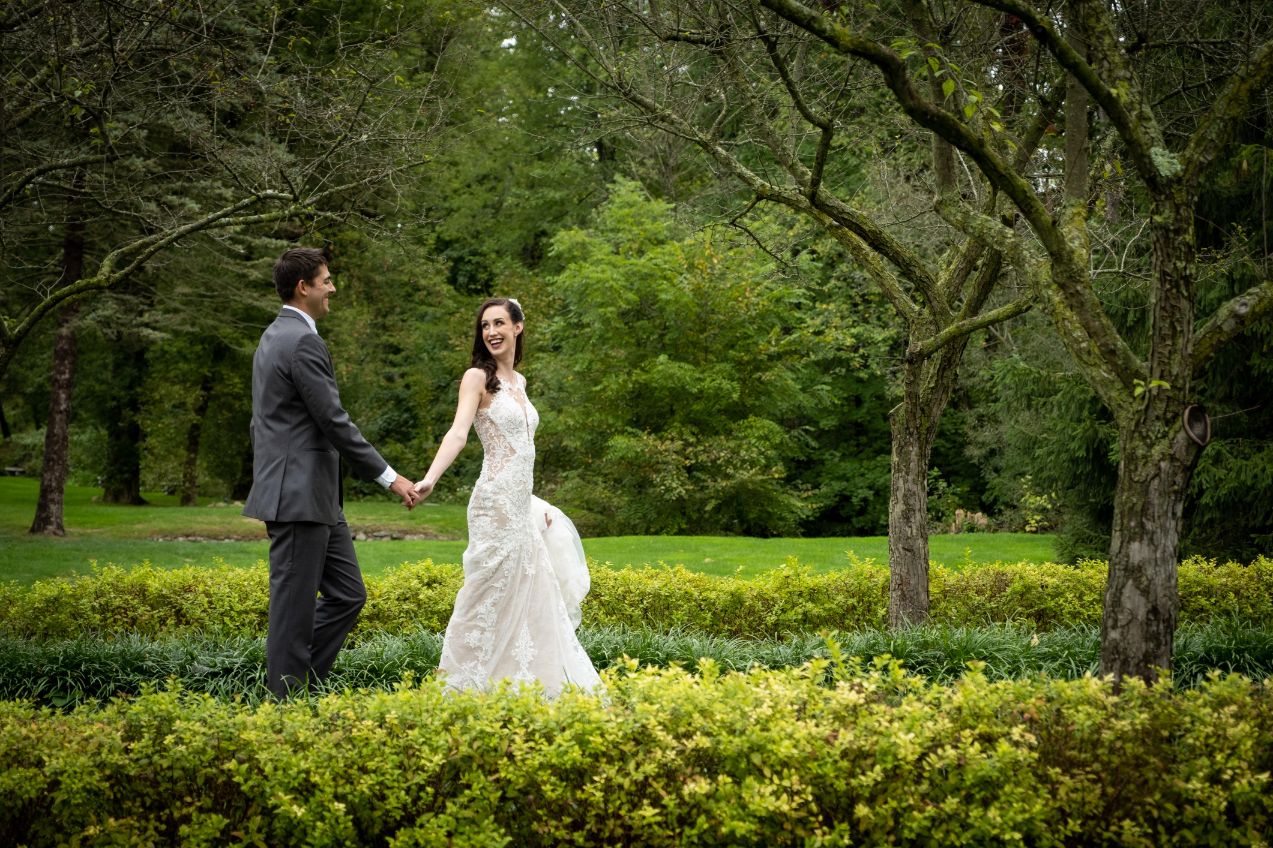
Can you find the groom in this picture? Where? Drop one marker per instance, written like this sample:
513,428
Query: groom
300,431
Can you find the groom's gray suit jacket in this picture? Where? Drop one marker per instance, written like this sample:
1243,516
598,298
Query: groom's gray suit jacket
299,429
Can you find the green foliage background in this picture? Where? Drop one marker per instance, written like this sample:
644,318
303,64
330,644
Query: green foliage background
692,376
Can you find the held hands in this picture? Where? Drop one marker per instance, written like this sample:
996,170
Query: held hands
403,489
424,488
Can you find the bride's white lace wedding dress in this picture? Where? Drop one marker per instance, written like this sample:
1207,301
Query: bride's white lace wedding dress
524,579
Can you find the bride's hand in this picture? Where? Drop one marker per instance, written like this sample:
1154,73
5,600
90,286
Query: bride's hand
424,488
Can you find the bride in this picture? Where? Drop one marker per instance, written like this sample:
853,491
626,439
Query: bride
524,570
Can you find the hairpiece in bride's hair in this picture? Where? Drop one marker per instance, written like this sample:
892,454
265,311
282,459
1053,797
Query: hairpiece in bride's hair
513,301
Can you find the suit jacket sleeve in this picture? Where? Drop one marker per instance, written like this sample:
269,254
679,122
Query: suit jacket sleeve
314,378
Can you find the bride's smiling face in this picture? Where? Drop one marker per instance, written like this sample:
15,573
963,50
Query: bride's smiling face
499,333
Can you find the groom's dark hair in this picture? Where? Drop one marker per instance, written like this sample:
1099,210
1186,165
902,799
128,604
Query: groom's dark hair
296,264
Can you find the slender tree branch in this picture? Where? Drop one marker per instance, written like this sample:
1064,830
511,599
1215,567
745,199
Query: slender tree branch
784,73
824,124
789,160
845,215
734,222
962,328
924,113
28,176
911,265
710,41
141,249
120,263
147,246
32,83
1230,320
862,246
836,210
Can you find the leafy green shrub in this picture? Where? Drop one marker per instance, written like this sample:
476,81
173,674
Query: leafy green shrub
1045,595
785,600
88,668
664,758
142,599
789,599
420,595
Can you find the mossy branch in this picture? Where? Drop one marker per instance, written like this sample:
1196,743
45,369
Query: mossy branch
1230,320
31,174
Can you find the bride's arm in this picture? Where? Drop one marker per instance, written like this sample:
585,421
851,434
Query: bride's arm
472,387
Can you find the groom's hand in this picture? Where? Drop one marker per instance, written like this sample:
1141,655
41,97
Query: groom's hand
402,488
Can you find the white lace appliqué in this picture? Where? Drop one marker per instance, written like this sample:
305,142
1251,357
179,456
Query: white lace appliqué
515,616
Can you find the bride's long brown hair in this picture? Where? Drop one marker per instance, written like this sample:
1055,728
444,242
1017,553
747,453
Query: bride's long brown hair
481,356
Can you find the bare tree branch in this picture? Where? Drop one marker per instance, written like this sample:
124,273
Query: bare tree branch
857,232
25,178
1227,322
823,123
135,253
962,328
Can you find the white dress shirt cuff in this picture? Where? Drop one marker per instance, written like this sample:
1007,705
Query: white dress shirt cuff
387,477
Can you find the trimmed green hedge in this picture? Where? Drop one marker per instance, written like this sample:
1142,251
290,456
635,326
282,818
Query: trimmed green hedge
789,599
766,758
67,673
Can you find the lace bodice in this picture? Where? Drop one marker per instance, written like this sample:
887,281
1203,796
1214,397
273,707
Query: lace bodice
507,431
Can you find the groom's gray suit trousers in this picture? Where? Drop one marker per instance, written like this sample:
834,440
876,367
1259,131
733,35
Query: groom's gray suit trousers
307,558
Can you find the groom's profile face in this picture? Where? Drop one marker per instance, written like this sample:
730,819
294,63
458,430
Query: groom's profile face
311,295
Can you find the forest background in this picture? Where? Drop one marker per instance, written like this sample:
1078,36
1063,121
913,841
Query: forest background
702,363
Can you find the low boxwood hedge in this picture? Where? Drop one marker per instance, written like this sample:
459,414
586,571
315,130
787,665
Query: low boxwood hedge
664,757
789,599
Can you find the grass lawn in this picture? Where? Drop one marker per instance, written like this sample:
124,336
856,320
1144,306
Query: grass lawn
128,535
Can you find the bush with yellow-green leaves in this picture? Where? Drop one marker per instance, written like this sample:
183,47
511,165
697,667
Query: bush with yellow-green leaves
663,757
790,599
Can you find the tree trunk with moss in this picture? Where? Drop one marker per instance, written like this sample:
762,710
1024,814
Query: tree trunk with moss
908,514
1141,606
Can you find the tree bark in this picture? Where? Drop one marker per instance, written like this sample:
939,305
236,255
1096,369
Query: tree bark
190,470
56,465
1156,463
908,522
926,386
1141,601
49,506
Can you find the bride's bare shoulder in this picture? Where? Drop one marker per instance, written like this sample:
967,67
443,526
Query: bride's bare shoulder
473,379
